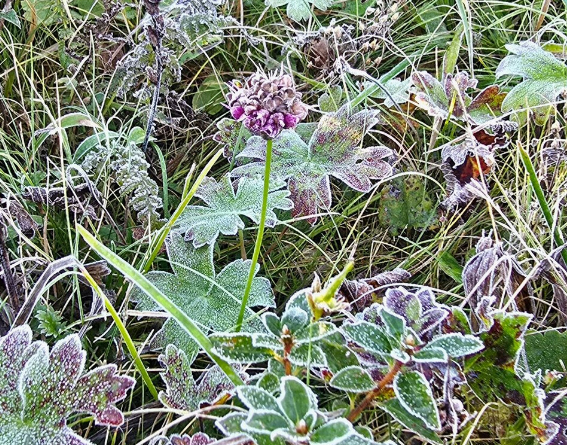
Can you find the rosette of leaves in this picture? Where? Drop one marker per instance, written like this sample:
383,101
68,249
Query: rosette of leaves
40,389
210,299
449,98
226,206
293,418
293,339
400,346
182,391
306,161
544,80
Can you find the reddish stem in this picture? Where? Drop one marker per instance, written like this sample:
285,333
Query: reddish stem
386,380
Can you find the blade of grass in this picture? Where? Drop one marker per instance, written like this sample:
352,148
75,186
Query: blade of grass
153,292
557,236
167,228
124,332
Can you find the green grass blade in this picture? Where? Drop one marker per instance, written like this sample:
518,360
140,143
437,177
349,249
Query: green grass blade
153,292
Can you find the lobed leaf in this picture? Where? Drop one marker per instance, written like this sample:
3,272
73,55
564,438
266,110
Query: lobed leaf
226,206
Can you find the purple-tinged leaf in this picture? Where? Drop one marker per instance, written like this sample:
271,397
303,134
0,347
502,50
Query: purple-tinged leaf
335,149
50,386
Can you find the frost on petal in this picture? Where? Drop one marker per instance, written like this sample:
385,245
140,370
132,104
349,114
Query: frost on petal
50,388
334,149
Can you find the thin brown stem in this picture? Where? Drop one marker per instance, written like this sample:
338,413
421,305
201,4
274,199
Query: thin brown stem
386,380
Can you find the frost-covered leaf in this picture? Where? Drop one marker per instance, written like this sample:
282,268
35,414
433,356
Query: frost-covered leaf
196,439
225,208
449,98
546,350
406,204
10,16
298,10
212,300
233,135
353,379
544,79
399,91
415,395
371,337
239,348
431,355
182,391
40,389
331,101
456,345
296,399
410,421
257,398
335,149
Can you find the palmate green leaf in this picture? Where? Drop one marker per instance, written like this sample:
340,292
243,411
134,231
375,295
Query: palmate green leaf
210,299
40,389
182,391
544,79
406,204
300,9
415,395
334,149
399,91
225,208
353,379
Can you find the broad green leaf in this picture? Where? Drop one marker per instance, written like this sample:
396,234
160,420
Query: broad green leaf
544,79
225,208
399,91
410,421
353,379
546,350
406,204
294,319
331,101
257,399
93,141
209,96
264,421
335,149
449,265
455,344
369,336
308,354
296,399
431,355
414,394
336,352
182,391
395,325
41,389
212,300
299,10
10,16
239,348
332,432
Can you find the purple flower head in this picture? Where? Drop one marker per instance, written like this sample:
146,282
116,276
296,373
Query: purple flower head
266,104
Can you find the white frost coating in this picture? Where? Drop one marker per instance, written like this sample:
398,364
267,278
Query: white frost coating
202,225
415,395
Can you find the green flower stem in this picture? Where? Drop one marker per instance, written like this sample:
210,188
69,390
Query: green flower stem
259,237
557,236
153,292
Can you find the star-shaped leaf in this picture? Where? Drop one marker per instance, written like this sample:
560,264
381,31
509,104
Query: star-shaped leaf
225,208
545,78
210,299
40,389
334,149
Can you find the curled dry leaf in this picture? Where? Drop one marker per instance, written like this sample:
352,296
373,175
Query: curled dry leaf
494,272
